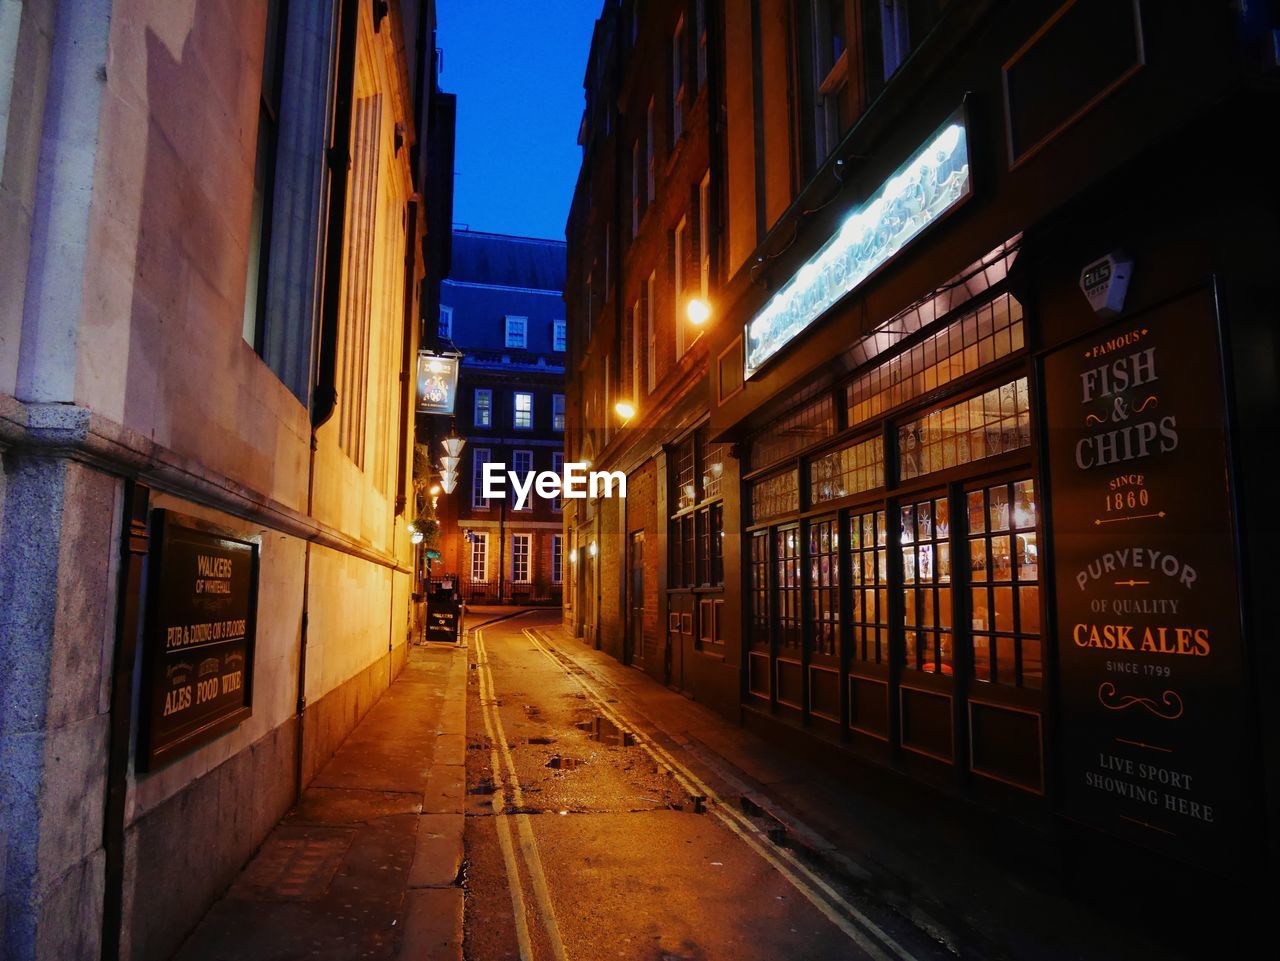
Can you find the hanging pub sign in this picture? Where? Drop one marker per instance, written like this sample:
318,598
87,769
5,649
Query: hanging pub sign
202,599
1148,611
437,382
933,181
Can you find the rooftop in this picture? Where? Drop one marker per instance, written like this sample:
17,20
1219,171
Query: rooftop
501,260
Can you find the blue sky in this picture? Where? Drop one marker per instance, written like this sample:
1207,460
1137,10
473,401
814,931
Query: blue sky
517,68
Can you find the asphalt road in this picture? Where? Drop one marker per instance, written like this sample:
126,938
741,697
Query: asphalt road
590,837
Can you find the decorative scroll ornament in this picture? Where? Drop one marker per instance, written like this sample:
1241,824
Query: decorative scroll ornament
1169,708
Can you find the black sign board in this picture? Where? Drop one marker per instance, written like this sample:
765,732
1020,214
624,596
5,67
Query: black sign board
202,600
444,609
1148,612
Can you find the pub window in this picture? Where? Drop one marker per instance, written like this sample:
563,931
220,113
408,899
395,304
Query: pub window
849,470
712,468
824,585
559,336
775,496
686,493
445,328
1004,579
557,411
992,423
697,522
789,621
869,576
979,337
926,586
760,586
814,422
557,558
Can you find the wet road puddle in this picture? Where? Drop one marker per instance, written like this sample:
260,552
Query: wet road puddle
564,762
606,732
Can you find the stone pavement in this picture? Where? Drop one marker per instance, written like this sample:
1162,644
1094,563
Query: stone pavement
368,863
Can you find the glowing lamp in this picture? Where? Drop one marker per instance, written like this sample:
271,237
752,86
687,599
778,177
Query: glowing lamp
697,311
625,409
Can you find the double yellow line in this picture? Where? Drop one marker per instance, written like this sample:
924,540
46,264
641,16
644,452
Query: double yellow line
859,928
500,760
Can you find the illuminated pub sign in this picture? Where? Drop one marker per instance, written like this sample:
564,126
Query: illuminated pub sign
437,382
198,648
932,182
1150,657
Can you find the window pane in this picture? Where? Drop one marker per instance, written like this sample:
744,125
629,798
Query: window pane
1032,666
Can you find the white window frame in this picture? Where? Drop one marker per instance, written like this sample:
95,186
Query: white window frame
516,332
479,552
444,328
515,410
651,332
479,457
557,412
517,540
704,235
682,228
557,558
559,336
487,407
637,335
522,465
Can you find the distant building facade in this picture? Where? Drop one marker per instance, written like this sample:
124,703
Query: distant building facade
220,224
502,308
897,500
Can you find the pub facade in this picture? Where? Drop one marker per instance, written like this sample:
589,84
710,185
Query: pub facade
964,484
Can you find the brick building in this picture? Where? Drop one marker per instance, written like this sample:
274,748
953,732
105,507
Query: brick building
871,510
502,308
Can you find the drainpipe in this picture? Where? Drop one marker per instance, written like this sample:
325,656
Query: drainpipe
324,394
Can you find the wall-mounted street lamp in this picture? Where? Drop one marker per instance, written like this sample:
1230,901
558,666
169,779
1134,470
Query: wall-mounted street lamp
698,311
452,445
416,537
625,409
593,550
